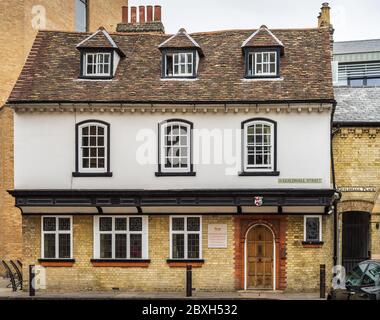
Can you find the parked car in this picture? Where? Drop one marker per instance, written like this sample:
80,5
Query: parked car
362,283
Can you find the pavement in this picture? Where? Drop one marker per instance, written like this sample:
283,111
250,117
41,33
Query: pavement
7,294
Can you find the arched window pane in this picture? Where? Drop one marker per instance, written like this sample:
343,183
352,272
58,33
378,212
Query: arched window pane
175,147
258,146
92,148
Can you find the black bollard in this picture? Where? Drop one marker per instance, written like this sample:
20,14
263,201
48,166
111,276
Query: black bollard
32,290
189,280
322,281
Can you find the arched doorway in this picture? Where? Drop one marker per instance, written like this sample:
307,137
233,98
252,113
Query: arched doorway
260,258
355,238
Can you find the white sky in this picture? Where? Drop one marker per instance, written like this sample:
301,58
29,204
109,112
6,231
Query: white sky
352,19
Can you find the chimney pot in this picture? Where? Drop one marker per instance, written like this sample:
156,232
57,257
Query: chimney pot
157,13
148,19
125,14
133,15
324,17
149,13
142,14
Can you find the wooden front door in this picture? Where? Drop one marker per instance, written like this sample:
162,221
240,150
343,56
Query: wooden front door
260,258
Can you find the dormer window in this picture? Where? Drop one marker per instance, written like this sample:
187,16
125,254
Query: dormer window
262,64
97,64
100,56
262,52
180,64
180,56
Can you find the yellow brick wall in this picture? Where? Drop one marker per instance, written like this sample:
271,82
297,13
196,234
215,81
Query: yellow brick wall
18,29
303,263
357,164
217,273
98,18
10,218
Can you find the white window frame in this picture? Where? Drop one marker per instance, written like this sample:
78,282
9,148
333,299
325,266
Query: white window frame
185,232
57,232
96,65
186,63
144,233
80,148
320,227
253,61
256,168
163,127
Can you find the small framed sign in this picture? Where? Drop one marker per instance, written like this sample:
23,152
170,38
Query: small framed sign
217,236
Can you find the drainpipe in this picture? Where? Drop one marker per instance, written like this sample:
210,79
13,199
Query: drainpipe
337,194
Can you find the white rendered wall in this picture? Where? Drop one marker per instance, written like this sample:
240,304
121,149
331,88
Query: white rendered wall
45,151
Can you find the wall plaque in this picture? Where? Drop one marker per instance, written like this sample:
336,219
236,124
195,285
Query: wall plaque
217,236
356,189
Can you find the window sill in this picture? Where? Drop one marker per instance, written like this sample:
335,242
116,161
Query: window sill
312,244
178,77
175,174
56,262
259,174
276,76
91,174
96,77
181,263
136,263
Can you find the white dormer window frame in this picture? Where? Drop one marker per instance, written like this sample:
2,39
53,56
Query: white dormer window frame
180,64
262,63
265,63
97,64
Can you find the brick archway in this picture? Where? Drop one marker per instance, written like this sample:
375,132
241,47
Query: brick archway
355,205
277,224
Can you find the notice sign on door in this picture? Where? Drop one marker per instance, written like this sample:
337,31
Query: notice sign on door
217,236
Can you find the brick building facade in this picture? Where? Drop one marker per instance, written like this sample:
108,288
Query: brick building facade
21,19
107,219
356,143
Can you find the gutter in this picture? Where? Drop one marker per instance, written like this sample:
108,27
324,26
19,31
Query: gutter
362,124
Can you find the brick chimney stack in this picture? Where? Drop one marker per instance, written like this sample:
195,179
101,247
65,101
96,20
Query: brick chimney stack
149,19
324,19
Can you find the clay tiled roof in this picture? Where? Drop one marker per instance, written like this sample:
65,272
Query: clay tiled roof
52,73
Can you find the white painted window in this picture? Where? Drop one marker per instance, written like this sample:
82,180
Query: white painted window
121,237
56,237
97,64
93,147
179,64
262,63
186,237
175,153
312,228
258,146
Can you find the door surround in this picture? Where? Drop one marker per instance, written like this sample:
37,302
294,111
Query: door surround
245,252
